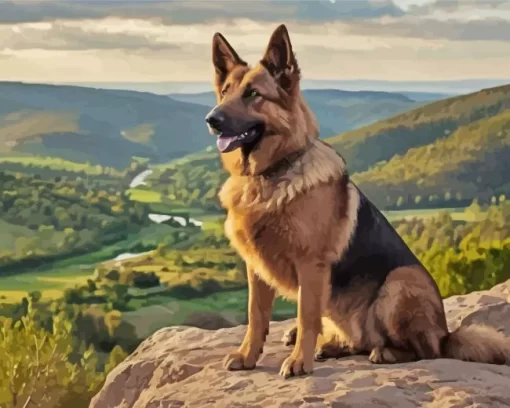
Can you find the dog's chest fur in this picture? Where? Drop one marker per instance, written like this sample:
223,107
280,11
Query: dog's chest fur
272,244
277,225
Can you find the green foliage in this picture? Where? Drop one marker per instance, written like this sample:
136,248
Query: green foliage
145,280
54,217
37,366
468,163
192,183
463,257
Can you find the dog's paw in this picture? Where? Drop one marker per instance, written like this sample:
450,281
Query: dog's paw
381,356
296,366
289,337
237,361
376,356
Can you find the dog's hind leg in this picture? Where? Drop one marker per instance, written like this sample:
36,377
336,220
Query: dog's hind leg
410,311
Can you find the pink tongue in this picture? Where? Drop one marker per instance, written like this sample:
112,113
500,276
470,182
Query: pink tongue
223,143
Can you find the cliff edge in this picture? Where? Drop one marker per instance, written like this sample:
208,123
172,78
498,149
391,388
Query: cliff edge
181,367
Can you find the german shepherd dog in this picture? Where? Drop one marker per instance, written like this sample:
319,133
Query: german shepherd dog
309,234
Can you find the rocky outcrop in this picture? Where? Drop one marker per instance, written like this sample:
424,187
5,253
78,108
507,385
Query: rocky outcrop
181,367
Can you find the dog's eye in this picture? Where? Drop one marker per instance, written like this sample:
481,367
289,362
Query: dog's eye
251,93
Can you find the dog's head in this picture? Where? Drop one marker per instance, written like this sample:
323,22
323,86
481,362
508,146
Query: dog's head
260,116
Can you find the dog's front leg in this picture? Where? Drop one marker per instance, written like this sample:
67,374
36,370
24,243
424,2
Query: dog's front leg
313,293
260,306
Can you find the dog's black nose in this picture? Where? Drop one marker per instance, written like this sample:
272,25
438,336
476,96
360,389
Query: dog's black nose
215,119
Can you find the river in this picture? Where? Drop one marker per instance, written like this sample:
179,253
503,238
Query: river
139,180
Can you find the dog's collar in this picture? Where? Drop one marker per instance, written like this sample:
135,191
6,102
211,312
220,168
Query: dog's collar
281,166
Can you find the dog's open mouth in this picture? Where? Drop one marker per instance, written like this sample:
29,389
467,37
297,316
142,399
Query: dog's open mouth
227,143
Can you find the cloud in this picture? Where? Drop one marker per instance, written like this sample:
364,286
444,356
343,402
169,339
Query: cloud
491,29
152,51
197,11
83,35
140,40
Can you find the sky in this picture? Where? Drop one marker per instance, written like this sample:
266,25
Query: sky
154,41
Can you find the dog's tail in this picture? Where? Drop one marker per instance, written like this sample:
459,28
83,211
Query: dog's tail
477,343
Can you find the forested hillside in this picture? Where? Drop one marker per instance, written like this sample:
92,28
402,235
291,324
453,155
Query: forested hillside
472,162
364,147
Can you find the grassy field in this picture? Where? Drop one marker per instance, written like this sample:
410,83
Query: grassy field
52,279
144,196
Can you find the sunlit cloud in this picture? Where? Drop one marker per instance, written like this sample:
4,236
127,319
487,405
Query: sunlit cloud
159,41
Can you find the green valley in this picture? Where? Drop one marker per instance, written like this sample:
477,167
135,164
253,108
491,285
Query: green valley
110,226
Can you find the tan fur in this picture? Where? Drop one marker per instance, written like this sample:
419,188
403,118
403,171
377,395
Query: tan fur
290,226
412,311
313,292
276,243
260,302
320,164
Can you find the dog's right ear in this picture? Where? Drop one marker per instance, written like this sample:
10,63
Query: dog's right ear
224,59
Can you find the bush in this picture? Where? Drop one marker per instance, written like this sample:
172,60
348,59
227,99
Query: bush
144,280
112,275
184,291
36,368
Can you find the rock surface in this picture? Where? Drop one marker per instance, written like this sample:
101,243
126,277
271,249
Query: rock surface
181,367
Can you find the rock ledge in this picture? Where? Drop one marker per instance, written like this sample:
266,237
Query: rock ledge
181,367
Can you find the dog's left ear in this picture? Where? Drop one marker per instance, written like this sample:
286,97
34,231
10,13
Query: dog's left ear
280,61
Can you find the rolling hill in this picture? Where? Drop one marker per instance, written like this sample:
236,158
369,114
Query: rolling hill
337,110
106,127
470,162
444,153
364,147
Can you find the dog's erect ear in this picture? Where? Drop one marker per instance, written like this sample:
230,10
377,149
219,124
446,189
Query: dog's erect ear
280,61
224,58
